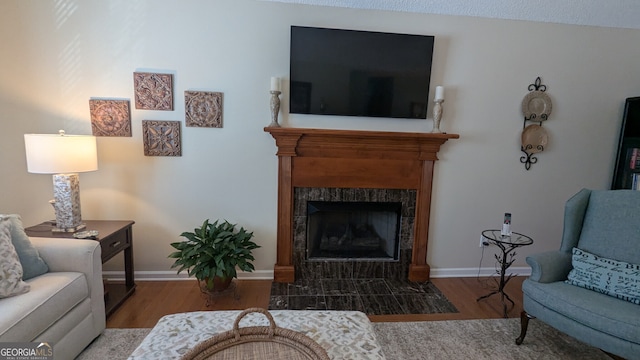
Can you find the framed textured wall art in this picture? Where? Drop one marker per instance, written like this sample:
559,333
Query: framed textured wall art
161,138
203,109
110,117
153,91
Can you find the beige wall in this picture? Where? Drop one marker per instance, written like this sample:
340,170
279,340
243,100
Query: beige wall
57,55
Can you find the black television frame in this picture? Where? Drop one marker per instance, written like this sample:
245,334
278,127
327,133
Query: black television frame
389,76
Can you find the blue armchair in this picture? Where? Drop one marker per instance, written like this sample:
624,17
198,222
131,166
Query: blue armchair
605,223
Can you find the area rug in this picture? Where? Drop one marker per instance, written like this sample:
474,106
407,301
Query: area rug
455,339
479,339
114,344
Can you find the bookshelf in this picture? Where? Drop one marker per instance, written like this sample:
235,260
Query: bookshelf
627,171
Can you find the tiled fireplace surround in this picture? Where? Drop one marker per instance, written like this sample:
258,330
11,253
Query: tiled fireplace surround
357,269
348,165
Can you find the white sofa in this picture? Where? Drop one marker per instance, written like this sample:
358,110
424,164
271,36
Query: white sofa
65,306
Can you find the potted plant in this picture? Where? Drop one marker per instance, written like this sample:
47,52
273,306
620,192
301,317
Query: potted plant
212,252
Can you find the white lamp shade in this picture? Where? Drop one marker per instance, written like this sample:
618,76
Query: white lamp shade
60,154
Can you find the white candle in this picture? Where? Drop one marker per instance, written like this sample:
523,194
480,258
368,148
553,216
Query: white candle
275,83
439,93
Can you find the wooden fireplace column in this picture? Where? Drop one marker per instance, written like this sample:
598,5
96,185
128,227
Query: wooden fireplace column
354,159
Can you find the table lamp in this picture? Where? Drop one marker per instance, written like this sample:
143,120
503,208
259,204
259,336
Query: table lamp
64,156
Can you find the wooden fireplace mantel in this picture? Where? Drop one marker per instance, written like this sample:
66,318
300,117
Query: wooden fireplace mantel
354,159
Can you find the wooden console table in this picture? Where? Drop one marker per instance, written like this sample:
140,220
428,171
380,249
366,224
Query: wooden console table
115,236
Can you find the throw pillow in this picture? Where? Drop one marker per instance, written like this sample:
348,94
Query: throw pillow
611,277
32,263
10,269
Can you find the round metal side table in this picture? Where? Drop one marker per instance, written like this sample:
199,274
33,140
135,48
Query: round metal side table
507,244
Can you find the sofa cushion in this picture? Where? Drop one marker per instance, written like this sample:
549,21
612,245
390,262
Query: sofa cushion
11,282
614,278
52,295
32,263
598,311
610,227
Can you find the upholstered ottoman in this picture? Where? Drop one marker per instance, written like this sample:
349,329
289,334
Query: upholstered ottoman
343,334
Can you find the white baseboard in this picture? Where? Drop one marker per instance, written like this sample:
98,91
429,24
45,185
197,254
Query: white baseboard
268,274
474,272
171,275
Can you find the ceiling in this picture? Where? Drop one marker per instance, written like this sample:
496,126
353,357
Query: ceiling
605,13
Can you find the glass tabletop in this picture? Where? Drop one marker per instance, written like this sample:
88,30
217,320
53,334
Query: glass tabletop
513,239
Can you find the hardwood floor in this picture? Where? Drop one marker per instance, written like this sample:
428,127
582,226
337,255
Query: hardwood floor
154,299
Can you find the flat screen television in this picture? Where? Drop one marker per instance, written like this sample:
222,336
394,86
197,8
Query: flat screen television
359,73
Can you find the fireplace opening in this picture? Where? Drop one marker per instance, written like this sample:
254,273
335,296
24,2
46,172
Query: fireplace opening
339,230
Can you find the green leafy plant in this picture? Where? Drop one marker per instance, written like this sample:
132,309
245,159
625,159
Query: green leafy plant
214,250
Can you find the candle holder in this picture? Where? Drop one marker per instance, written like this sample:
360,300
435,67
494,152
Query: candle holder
275,108
437,116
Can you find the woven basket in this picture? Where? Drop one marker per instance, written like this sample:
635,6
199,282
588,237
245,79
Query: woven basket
258,342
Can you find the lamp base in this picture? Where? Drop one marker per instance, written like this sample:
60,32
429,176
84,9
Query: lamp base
66,202
56,229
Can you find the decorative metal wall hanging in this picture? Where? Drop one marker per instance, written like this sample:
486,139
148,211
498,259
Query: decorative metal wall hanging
161,138
153,91
110,117
203,109
536,107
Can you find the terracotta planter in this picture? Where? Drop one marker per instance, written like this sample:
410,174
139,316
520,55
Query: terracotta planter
219,284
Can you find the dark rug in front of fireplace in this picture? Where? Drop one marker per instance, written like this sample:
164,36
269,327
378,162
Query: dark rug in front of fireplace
371,296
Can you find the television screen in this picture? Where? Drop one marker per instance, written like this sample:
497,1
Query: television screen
359,73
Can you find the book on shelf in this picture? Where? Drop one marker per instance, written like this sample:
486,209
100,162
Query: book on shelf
634,158
635,181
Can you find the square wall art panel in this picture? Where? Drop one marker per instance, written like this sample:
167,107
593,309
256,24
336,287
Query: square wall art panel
110,117
153,91
203,109
161,138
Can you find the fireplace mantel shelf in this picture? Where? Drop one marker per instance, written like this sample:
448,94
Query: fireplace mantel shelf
360,133
388,144
354,159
